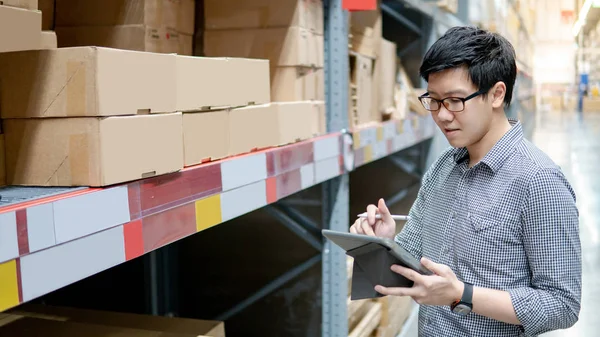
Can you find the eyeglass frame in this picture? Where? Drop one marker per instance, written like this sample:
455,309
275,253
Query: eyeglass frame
441,101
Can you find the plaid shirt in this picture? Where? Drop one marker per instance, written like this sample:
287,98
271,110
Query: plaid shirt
510,223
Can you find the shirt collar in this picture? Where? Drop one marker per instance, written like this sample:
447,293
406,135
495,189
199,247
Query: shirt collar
500,151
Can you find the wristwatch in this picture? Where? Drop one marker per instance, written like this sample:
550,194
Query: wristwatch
464,306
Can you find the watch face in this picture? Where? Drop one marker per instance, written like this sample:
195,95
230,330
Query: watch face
462,310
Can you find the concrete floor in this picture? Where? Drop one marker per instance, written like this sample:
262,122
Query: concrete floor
573,142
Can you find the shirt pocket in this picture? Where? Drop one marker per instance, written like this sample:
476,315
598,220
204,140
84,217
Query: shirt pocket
481,223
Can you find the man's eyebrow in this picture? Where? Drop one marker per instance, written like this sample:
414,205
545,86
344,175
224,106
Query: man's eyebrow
447,93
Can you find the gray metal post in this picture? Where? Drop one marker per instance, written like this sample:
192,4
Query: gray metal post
336,191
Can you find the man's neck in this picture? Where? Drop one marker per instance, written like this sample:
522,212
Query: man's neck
478,150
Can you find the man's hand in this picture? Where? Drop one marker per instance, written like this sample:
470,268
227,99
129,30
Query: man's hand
440,289
384,227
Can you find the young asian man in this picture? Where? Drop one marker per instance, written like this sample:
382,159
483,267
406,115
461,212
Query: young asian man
495,219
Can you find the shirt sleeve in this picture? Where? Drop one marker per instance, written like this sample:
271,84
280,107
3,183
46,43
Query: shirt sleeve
550,229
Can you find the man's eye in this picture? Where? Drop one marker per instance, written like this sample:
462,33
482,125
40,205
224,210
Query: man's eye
455,100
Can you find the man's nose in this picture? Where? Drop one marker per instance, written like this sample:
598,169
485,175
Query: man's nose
444,114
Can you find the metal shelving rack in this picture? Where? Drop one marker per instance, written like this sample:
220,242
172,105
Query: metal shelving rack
53,237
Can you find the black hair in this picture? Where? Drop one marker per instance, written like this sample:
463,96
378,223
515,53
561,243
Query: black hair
489,58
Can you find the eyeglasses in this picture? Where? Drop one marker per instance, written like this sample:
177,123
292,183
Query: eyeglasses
452,104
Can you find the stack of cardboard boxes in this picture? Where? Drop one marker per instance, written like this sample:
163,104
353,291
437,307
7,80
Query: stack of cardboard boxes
97,116
38,320
289,33
20,25
161,26
378,87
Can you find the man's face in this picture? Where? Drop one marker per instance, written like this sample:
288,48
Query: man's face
468,126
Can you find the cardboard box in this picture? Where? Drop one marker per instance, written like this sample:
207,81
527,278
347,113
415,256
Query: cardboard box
29,326
85,81
366,32
92,151
205,136
204,83
289,84
2,161
27,23
386,69
361,79
281,123
238,14
47,8
26,4
48,40
194,327
281,46
321,119
167,14
129,37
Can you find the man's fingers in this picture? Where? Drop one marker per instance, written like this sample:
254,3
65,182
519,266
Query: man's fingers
408,273
438,269
384,211
371,213
396,291
367,229
353,229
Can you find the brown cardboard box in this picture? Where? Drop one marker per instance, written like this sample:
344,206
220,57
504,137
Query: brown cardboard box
92,151
173,15
125,320
129,37
366,32
27,23
26,4
48,40
321,121
281,46
290,84
29,326
221,82
387,70
2,161
281,123
238,14
361,78
205,136
47,8
85,81
316,21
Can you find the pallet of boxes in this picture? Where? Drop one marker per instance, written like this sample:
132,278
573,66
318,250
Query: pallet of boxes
379,89
40,320
381,317
111,106
290,38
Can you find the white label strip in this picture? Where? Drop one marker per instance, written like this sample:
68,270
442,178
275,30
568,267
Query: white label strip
9,241
389,130
327,169
326,148
380,150
89,213
307,173
40,227
56,267
244,170
243,200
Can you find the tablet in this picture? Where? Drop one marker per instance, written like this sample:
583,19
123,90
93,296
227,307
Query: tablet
348,242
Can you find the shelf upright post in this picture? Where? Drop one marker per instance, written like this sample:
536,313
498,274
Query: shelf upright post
335,192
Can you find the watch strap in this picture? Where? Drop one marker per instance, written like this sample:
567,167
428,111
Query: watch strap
467,296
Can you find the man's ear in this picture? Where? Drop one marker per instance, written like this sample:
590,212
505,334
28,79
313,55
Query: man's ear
497,95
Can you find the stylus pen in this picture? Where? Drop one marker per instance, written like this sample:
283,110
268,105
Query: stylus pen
395,217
